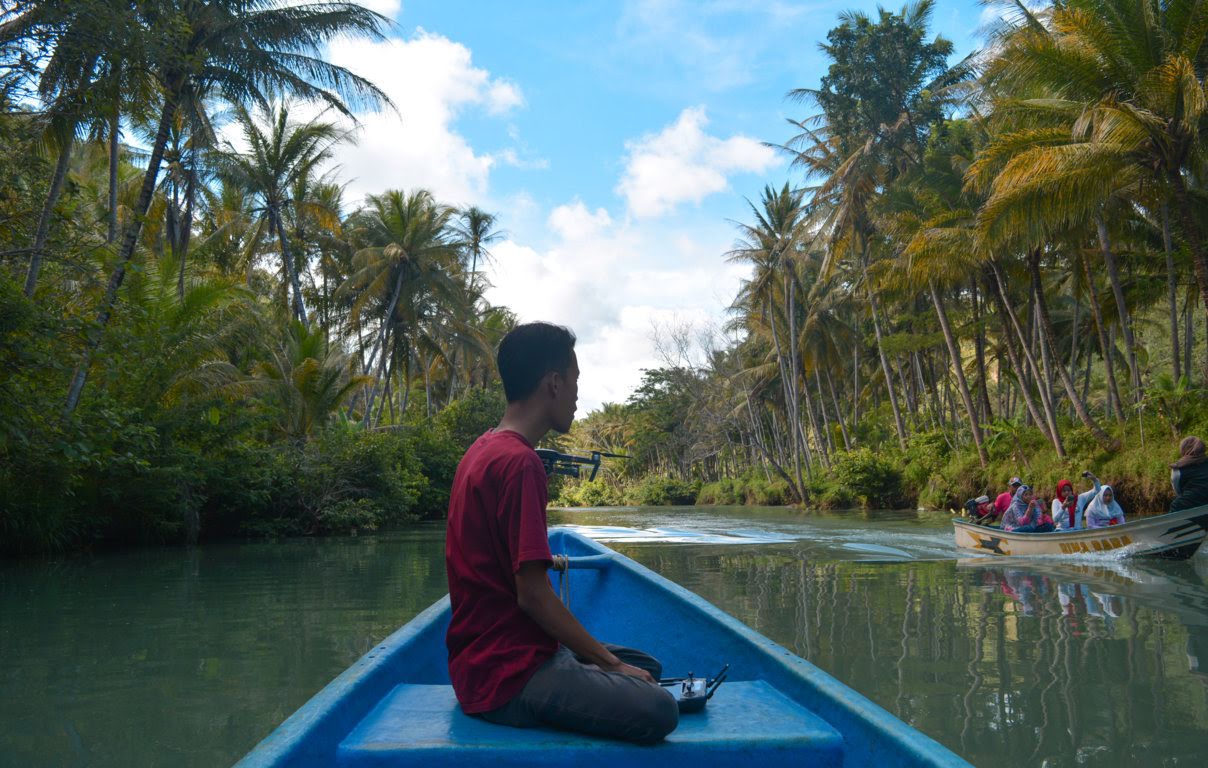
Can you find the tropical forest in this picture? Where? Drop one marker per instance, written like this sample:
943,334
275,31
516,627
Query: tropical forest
980,267
985,268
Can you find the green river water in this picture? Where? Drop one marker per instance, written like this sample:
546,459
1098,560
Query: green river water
168,657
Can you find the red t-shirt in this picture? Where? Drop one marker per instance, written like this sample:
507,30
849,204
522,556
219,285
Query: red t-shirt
1003,501
496,522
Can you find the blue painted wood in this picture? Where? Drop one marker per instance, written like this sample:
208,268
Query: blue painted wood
421,725
619,601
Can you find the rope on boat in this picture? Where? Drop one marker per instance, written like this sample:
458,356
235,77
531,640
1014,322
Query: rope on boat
562,566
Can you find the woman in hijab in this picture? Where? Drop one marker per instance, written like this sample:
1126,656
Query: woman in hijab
1189,475
1067,512
1026,514
1104,510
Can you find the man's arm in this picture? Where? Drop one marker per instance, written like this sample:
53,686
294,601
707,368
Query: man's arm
537,599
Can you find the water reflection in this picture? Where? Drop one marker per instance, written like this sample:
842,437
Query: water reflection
173,658
1026,663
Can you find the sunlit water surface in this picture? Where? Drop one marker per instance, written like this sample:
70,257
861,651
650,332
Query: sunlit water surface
173,658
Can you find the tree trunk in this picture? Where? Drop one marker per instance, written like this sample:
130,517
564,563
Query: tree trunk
830,383
1113,276
186,224
1050,420
48,211
291,269
980,348
1172,290
1074,337
125,253
788,404
893,398
1017,367
962,384
855,385
1046,336
1104,347
114,159
1195,243
1188,332
795,368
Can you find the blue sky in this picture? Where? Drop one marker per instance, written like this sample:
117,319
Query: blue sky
616,141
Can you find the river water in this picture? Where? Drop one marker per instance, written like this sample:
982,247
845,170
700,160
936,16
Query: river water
168,657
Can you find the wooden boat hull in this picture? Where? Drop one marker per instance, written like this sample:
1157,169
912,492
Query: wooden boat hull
394,706
1176,535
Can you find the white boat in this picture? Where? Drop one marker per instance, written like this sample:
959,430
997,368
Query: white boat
1176,535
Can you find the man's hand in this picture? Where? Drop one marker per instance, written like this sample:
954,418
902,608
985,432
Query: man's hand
626,669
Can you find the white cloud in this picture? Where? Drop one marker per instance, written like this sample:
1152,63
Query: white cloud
683,163
432,81
613,283
388,8
574,222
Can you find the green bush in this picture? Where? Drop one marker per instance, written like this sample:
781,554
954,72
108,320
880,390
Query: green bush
720,493
469,416
588,493
752,489
654,491
873,481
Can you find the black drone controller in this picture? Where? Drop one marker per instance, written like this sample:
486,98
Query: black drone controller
692,693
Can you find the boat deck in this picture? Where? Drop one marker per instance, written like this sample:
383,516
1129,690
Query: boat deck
750,721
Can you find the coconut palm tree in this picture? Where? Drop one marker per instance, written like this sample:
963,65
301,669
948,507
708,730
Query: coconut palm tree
408,265
277,162
240,51
475,229
1103,104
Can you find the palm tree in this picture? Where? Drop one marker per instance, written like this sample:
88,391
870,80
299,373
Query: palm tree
475,229
1103,101
940,243
409,261
240,51
768,299
308,377
277,161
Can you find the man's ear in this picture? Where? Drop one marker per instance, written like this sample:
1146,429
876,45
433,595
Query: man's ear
552,383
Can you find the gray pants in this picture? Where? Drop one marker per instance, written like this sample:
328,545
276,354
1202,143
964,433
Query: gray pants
574,695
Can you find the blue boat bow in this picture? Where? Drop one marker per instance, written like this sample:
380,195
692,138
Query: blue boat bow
395,707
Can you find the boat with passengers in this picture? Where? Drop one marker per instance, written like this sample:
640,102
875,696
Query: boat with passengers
395,707
1175,535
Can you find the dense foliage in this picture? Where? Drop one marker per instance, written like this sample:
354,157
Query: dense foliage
196,337
990,267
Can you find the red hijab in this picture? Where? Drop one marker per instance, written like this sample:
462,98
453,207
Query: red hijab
1070,505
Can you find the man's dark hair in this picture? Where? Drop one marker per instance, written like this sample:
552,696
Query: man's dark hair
529,352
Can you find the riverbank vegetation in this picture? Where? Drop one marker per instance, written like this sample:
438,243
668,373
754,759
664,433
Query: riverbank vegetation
988,267
199,334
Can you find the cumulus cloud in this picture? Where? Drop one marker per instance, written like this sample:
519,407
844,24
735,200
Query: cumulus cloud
683,163
431,80
613,283
574,222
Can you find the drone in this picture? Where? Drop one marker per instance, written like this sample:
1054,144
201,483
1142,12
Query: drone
571,465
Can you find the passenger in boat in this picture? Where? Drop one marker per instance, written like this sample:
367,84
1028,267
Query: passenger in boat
1026,514
981,510
1189,475
1004,499
1103,510
1067,512
517,655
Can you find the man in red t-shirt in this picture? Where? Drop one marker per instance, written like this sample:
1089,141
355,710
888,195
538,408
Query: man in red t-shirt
517,656
1004,499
